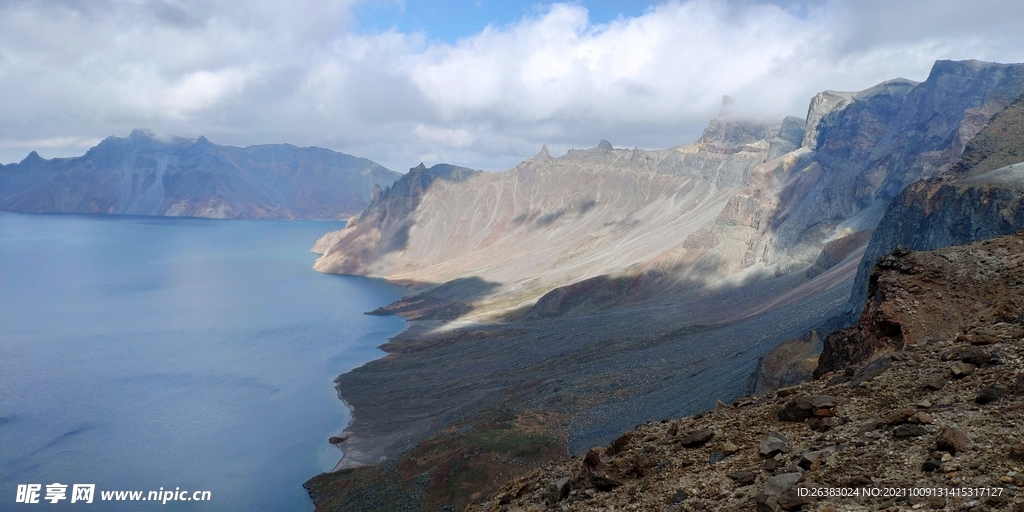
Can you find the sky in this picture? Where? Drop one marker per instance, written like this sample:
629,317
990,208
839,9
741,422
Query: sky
478,83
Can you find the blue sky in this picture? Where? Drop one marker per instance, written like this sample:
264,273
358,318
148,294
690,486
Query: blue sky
452,20
404,83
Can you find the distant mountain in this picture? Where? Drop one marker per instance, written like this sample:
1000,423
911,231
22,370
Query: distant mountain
146,175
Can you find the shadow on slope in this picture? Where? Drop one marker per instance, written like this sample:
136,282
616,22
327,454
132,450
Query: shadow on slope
445,301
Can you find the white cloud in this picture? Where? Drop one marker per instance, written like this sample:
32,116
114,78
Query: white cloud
275,71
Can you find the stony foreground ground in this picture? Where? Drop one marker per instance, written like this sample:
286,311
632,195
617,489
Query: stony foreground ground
933,425
890,431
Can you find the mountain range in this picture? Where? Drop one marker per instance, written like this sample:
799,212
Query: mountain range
558,304
148,175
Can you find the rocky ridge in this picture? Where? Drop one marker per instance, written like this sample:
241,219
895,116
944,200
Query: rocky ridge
147,175
939,410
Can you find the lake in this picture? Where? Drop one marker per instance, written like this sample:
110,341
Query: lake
140,353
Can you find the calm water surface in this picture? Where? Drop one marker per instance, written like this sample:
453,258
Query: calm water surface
140,353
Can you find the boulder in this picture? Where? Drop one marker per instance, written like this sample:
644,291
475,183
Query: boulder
696,438
772,444
951,440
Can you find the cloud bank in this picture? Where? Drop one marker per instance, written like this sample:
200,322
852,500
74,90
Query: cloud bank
300,72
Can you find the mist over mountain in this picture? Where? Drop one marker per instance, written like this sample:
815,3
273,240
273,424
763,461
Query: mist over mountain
147,175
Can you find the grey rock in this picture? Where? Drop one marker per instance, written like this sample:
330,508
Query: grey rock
772,444
779,484
961,369
909,430
976,356
742,477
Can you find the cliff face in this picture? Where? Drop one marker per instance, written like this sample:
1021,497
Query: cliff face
977,199
549,222
144,175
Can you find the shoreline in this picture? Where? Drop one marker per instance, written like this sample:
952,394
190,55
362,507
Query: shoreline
350,437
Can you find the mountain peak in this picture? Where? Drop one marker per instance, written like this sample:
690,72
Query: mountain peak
729,133
604,144
419,167
32,158
141,133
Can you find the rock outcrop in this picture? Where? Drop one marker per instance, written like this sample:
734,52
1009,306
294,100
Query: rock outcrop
146,175
917,297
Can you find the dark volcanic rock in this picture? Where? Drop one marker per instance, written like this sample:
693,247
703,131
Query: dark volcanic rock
976,356
908,430
989,395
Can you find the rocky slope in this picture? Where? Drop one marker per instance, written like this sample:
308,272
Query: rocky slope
938,408
145,175
609,286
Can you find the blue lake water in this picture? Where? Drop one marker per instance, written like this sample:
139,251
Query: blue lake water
140,353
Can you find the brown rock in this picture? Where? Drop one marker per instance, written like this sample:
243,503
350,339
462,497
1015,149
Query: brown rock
920,417
935,383
952,440
869,426
984,339
797,409
337,439
787,391
620,444
1016,451
961,369
900,417
729,448
696,438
